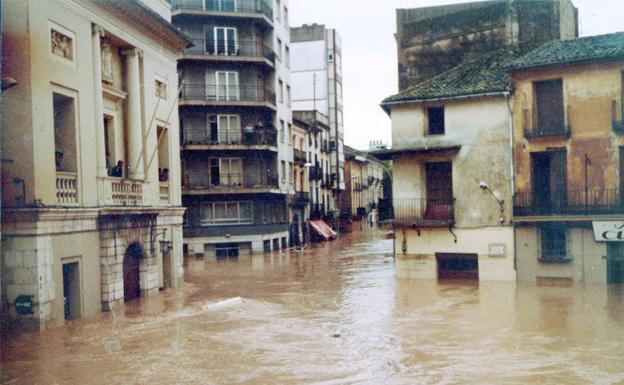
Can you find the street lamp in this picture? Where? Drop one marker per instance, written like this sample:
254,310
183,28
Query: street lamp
501,203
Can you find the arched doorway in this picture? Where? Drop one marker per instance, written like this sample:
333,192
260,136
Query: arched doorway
131,272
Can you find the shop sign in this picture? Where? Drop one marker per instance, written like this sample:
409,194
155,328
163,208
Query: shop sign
608,231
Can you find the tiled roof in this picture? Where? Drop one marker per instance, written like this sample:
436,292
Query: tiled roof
484,74
600,47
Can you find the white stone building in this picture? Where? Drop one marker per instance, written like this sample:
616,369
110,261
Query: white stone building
316,73
96,88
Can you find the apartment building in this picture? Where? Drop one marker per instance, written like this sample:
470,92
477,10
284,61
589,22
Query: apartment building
236,123
451,206
317,86
568,161
91,211
364,174
300,201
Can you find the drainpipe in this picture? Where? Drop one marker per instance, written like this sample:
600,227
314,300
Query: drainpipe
513,177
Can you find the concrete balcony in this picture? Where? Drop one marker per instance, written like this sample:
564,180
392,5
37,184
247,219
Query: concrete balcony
67,188
121,191
227,96
164,192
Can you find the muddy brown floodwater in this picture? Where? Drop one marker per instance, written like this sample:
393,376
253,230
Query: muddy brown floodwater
335,314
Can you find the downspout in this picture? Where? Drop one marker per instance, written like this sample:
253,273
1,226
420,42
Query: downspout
513,177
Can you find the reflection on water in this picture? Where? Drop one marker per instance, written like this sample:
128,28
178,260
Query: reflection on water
334,314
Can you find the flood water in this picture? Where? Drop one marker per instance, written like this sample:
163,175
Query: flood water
335,314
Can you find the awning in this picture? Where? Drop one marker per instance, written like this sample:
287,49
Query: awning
323,229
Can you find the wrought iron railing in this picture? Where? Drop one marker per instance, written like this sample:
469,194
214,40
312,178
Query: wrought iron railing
316,173
571,202
256,137
249,48
226,6
422,211
299,156
232,93
203,181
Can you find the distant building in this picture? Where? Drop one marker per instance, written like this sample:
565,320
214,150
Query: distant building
431,40
451,206
317,156
91,211
568,148
364,188
235,112
317,85
300,201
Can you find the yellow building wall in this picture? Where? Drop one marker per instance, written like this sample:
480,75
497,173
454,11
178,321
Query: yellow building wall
418,260
588,93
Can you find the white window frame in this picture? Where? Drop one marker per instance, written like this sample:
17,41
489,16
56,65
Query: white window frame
229,130
234,220
215,43
220,4
227,85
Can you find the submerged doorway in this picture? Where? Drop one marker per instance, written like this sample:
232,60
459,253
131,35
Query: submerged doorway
131,271
615,262
457,266
71,290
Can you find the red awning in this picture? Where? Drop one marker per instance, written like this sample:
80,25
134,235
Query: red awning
323,229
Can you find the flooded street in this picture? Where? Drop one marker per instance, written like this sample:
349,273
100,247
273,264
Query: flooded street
335,314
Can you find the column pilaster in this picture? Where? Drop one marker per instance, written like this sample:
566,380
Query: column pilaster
98,104
135,129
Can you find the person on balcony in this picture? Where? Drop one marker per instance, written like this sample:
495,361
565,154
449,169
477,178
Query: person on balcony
58,158
117,171
163,175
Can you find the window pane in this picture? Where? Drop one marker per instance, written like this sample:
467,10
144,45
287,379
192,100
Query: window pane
220,211
245,211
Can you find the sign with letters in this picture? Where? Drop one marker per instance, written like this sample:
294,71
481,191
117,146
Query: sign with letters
497,249
608,231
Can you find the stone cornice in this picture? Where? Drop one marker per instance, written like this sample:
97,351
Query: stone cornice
48,221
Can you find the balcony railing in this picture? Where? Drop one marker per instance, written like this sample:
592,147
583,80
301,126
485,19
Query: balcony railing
617,106
316,173
574,202
248,48
257,137
66,188
237,6
301,198
227,93
230,181
299,156
430,212
125,192
543,132
317,211
164,191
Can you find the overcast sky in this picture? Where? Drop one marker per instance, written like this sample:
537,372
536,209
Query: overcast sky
369,58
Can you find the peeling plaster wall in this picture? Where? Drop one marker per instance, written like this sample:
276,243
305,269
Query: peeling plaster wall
588,90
